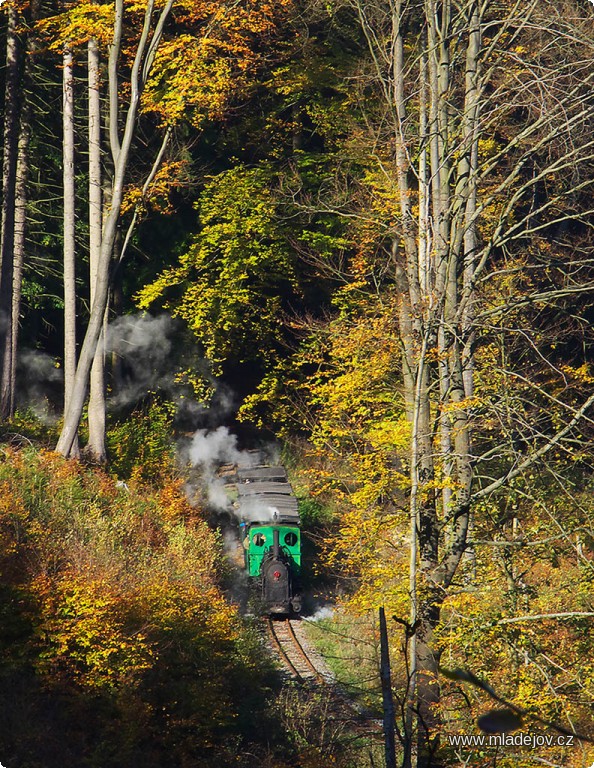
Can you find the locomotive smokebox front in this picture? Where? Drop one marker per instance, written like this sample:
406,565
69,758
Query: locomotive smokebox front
276,579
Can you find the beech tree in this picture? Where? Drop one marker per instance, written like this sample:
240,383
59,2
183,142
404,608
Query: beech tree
484,140
69,228
86,23
96,444
120,148
216,45
13,96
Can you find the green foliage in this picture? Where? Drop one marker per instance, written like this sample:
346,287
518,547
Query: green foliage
26,426
313,513
237,272
140,447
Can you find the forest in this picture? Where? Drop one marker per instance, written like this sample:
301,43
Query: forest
356,234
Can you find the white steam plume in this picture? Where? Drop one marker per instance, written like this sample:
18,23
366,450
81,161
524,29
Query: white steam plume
256,512
40,382
217,446
325,612
207,451
148,356
143,342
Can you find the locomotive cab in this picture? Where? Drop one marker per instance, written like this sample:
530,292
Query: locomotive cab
273,556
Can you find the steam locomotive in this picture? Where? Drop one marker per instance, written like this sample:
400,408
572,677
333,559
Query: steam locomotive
271,537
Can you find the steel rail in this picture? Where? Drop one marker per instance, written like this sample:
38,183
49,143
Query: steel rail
281,650
302,653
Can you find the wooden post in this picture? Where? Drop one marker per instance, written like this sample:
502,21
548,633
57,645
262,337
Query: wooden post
387,698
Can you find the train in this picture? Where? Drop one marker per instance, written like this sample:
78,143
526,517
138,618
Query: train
271,538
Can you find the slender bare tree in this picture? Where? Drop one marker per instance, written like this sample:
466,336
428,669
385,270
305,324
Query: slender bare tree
96,445
69,233
120,149
483,105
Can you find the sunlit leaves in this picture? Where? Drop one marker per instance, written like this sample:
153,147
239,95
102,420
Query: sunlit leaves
343,383
140,446
199,68
111,608
83,634
173,175
198,72
191,78
82,21
235,272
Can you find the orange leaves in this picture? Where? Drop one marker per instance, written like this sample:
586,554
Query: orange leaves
199,71
82,21
91,548
172,175
13,519
237,19
173,503
59,469
113,604
196,609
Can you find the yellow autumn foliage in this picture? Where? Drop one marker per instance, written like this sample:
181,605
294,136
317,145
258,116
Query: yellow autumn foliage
111,600
83,635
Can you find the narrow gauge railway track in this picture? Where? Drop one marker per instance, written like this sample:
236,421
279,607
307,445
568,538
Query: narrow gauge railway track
292,652
301,668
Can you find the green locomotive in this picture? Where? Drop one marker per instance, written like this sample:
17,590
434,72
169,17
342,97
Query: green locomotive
271,537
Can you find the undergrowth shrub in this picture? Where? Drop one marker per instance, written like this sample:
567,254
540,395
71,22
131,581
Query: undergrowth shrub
26,427
140,447
117,646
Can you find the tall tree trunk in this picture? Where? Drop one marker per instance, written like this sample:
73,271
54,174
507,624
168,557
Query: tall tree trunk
441,93
96,445
387,696
20,219
20,235
69,240
12,107
144,58
434,249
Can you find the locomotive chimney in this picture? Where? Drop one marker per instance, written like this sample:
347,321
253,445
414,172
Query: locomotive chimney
276,544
